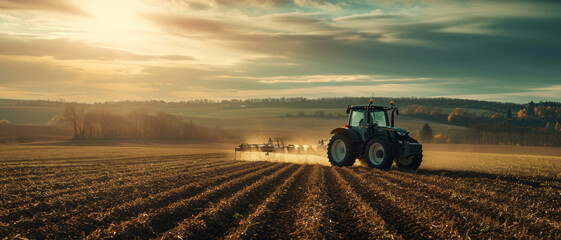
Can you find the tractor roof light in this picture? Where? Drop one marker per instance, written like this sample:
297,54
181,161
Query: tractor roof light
391,103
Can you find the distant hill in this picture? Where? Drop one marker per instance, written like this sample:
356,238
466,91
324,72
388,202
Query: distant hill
335,102
453,120
39,112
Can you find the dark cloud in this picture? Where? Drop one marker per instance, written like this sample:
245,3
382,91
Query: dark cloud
72,50
192,25
301,22
61,6
28,74
503,51
297,18
367,17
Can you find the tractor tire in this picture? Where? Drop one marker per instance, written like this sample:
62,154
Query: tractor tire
341,151
379,154
411,163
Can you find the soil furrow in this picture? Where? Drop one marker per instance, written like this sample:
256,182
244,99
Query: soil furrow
474,210
102,181
275,217
86,221
518,198
109,168
353,218
390,210
149,225
312,218
215,221
122,189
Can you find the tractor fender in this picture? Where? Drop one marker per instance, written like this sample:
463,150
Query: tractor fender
353,135
338,130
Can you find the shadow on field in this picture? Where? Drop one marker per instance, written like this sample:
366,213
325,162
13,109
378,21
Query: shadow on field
535,182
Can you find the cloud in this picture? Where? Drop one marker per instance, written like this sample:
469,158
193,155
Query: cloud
394,90
66,49
253,2
193,25
324,79
61,6
46,78
14,93
114,86
24,72
376,14
318,4
296,19
548,93
204,5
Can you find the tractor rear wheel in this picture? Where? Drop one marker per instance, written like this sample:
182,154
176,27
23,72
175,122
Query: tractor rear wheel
379,154
341,150
412,162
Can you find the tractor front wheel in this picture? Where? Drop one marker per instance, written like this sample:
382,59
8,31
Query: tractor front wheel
379,154
412,162
341,150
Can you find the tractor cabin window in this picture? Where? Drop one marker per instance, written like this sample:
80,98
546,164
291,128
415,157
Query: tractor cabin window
379,118
358,119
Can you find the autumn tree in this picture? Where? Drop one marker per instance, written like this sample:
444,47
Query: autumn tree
549,127
458,112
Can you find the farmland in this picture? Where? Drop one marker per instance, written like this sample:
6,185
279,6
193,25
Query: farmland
94,192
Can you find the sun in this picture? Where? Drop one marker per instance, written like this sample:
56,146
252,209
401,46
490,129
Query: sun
115,22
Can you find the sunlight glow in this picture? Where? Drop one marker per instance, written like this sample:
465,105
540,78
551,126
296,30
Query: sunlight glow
114,22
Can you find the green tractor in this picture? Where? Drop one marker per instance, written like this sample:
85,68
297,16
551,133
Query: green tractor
370,135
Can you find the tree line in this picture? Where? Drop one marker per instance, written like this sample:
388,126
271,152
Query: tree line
484,134
297,102
99,123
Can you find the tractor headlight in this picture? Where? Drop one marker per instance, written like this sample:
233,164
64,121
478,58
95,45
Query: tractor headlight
401,133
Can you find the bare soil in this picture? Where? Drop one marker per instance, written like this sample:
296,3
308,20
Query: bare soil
501,149
93,192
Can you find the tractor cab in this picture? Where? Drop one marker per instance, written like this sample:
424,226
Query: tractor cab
369,120
360,120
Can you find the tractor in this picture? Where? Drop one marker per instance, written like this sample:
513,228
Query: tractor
370,135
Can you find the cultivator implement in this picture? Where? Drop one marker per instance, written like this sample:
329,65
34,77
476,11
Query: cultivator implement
277,145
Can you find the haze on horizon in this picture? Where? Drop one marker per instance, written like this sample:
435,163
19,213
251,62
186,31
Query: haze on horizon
102,50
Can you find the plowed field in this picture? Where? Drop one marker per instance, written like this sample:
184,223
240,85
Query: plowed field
124,193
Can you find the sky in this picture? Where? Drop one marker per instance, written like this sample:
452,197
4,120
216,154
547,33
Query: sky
175,50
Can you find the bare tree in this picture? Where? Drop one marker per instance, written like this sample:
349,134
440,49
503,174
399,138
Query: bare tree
74,113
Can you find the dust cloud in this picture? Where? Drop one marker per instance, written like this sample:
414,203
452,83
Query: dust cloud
308,143
283,157
288,139
320,158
